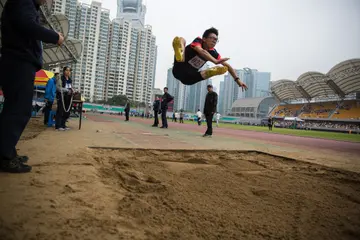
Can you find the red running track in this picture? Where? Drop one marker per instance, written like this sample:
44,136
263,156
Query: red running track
273,138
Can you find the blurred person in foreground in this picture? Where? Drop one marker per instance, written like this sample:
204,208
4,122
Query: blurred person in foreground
209,109
21,57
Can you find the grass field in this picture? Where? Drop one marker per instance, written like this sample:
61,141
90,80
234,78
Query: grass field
294,132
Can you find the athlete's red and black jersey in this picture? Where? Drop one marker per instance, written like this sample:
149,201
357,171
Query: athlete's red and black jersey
188,71
192,57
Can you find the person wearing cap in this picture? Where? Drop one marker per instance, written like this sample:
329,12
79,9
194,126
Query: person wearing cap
209,109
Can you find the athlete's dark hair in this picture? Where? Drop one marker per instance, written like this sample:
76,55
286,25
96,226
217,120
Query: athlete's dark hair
66,67
209,31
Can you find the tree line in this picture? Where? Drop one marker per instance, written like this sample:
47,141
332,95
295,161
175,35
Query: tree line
121,100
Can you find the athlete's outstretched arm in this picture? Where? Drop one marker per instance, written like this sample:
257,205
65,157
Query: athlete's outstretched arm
235,76
205,54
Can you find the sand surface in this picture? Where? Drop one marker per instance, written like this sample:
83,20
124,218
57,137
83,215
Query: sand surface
150,194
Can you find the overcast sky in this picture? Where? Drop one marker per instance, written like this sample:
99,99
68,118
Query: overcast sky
284,37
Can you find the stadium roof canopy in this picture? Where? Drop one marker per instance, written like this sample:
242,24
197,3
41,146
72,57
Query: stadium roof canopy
70,51
346,75
343,79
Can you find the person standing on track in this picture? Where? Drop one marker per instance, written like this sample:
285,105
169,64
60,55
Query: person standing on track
199,117
217,117
127,110
181,116
156,108
209,109
165,99
270,123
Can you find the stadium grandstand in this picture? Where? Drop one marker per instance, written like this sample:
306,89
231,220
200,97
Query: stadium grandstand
252,110
330,100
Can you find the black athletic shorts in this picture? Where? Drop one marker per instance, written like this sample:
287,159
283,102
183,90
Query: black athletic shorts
186,73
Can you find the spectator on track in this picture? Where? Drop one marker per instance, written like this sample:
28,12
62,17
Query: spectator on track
217,118
166,98
209,109
270,123
199,117
181,116
127,110
157,111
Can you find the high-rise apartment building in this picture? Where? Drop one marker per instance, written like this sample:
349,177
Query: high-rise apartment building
144,68
102,53
230,93
221,99
132,10
70,12
92,26
132,59
258,86
119,57
177,90
171,81
59,6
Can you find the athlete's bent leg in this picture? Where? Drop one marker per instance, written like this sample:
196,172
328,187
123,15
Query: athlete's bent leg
179,44
214,71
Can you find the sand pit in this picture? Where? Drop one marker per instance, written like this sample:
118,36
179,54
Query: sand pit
150,194
34,128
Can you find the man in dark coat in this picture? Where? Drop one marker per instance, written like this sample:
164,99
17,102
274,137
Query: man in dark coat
209,109
166,98
127,110
21,58
156,108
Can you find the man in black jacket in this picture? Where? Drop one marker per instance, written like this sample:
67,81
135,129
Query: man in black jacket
127,111
156,108
21,58
166,98
209,109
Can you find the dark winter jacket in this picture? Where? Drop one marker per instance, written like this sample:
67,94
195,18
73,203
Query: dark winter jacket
166,98
156,106
210,103
127,107
21,32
